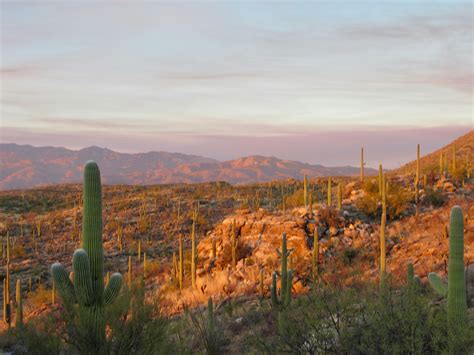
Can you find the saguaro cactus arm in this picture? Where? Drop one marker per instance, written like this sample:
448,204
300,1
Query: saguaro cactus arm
63,283
438,285
82,277
113,288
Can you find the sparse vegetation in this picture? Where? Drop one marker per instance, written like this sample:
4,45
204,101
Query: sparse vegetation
209,251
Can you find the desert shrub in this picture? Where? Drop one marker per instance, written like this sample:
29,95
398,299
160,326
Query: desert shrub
330,216
405,313
18,251
434,198
459,173
369,202
296,199
398,200
35,337
349,255
364,320
41,296
211,338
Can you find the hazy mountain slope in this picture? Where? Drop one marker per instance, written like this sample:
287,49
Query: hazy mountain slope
24,166
463,146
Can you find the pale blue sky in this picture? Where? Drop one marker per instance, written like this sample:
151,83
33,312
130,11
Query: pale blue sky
183,76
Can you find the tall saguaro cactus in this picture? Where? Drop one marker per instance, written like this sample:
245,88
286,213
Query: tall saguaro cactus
315,254
417,180
181,263
383,221
6,289
193,251
233,242
380,179
329,192
19,306
456,289
305,191
362,163
87,288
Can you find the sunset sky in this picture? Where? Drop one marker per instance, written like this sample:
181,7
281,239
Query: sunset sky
309,81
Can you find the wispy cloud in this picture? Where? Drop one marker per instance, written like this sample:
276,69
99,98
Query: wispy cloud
197,71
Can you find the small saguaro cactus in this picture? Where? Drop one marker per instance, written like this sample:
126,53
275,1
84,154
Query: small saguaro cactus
193,251
412,279
6,289
339,196
329,192
441,164
380,179
181,263
383,221
285,275
130,272
233,241
305,191
144,265
315,254
214,249
362,163
281,301
19,306
454,158
6,304
456,289
87,288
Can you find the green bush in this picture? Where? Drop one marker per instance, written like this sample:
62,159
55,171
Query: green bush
349,255
364,320
434,198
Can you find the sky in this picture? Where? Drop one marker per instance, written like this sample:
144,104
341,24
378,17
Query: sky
309,81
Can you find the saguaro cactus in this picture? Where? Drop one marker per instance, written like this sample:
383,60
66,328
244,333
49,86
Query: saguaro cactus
305,191
329,192
19,306
417,180
412,279
6,289
441,164
362,163
315,254
193,251
380,179
233,241
181,263
281,302
339,196
87,289
456,289
383,221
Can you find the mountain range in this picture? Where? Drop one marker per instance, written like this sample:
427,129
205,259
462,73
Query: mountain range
25,166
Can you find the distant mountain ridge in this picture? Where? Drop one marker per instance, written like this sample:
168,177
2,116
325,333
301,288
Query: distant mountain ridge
25,166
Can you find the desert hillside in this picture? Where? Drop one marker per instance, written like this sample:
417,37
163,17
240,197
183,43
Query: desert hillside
44,226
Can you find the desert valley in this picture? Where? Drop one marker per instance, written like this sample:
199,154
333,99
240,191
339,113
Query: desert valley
189,243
